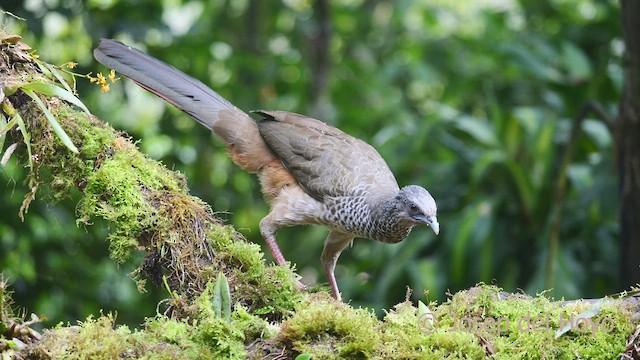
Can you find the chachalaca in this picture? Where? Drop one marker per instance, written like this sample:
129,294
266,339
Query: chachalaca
310,172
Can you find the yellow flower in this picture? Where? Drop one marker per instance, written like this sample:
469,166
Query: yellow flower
102,80
112,76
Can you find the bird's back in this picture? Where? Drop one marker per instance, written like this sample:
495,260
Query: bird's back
326,162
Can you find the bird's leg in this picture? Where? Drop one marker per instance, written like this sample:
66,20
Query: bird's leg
333,246
268,229
275,250
269,234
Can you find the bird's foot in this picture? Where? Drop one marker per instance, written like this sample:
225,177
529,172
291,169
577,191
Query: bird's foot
301,286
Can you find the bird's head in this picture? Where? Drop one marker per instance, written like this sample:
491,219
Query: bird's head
417,206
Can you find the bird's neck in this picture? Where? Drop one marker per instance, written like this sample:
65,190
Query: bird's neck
389,224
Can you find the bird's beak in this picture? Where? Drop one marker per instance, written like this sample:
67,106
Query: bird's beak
431,221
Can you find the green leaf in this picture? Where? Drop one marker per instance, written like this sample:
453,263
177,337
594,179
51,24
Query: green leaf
478,129
57,75
303,357
216,299
575,62
52,120
422,308
522,184
52,90
5,126
485,162
534,60
166,285
225,295
425,317
26,136
592,311
221,298
264,310
598,132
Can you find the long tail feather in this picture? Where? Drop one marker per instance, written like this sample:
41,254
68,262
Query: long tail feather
247,148
183,91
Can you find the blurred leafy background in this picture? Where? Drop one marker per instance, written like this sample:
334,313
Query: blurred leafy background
472,99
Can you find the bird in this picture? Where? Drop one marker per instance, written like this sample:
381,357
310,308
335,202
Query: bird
310,173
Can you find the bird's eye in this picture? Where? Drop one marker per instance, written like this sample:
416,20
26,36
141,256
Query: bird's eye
413,207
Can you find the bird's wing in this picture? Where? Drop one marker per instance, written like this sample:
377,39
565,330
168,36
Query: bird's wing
323,159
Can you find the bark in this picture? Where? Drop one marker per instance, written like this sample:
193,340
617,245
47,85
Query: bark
320,59
628,139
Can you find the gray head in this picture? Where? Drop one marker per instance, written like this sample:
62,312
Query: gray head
417,206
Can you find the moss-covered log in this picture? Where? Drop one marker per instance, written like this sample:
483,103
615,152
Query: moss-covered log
149,209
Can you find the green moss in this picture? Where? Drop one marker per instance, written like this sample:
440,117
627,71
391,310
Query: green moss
58,167
278,290
222,339
115,192
246,257
535,322
220,237
174,337
484,320
252,326
6,303
162,338
263,289
406,336
91,339
118,183
205,338
329,329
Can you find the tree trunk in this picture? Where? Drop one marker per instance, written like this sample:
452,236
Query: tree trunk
628,139
320,59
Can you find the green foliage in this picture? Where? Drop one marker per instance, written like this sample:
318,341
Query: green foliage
161,338
405,337
96,338
122,198
331,330
267,289
5,304
521,326
252,326
469,325
473,100
515,326
221,298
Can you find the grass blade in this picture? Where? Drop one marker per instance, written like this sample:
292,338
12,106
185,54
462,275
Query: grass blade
52,120
52,90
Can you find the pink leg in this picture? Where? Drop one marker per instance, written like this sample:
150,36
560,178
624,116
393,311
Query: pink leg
334,285
277,255
333,246
275,250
